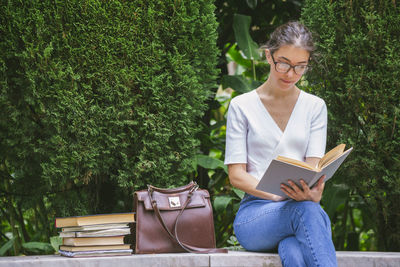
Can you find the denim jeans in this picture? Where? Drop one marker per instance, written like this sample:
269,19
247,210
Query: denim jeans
300,230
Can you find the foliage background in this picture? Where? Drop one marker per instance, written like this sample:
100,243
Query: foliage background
98,98
356,73
358,78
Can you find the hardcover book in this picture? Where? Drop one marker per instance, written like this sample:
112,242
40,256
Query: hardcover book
94,241
283,169
98,253
94,248
97,233
95,219
95,227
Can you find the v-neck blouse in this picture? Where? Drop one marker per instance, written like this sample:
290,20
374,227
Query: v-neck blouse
273,122
254,138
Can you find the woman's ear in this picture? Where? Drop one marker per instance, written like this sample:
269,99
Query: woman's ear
268,56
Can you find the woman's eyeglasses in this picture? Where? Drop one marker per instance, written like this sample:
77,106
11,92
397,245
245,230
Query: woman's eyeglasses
283,67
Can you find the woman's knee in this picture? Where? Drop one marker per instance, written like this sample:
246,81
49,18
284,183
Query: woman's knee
310,210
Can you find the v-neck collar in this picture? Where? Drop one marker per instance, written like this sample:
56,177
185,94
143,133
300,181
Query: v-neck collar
272,119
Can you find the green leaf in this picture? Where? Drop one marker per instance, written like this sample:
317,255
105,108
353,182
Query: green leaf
221,202
252,3
241,26
334,196
238,192
235,55
38,247
7,246
208,162
255,84
218,125
47,51
238,83
55,242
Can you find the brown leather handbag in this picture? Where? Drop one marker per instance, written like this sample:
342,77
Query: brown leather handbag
174,220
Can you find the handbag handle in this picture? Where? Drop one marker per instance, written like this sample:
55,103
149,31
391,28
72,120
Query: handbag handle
192,249
172,190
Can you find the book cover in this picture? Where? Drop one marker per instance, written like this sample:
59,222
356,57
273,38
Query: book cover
95,227
98,253
94,241
97,233
279,172
95,219
94,248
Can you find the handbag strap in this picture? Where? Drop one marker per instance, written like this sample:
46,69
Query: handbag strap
188,248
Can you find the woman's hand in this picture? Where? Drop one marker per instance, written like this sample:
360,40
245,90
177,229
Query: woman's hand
314,194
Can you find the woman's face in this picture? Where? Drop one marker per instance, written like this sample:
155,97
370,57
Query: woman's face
291,55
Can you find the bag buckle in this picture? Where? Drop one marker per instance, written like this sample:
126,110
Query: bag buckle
174,202
194,188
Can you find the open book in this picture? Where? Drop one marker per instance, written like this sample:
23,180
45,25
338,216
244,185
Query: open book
282,169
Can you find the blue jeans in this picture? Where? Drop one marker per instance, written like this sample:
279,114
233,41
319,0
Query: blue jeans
300,230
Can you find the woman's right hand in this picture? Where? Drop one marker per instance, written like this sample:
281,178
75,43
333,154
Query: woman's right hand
312,194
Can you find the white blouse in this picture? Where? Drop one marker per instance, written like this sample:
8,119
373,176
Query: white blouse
254,138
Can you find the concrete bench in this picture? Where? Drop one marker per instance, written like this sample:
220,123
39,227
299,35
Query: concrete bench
232,259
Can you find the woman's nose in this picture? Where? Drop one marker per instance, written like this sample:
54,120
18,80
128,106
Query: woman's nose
291,72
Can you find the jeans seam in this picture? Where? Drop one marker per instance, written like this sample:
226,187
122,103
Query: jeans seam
283,259
307,236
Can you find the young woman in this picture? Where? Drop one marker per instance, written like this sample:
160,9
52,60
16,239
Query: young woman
279,119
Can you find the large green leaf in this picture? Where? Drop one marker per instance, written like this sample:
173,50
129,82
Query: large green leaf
38,247
7,246
238,83
238,192
235,55
208,162
221,202
255,84
55,242
241,26
334,196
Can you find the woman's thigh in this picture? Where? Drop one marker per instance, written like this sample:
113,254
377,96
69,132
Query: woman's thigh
261,224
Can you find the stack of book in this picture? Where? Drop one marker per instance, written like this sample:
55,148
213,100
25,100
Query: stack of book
96,235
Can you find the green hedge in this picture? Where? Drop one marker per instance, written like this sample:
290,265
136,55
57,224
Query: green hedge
99,98
358,76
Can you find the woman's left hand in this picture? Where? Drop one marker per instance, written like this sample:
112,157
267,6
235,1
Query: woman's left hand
296,193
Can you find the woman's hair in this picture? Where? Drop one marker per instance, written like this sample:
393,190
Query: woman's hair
291,33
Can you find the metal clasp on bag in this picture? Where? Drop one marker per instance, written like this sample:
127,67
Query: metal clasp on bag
174,202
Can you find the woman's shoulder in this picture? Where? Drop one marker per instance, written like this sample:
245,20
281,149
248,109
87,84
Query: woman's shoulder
313,100
244,99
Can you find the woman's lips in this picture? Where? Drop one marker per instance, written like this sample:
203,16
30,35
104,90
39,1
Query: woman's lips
285,81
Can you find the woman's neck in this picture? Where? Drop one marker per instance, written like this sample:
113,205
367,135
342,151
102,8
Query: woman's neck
269,90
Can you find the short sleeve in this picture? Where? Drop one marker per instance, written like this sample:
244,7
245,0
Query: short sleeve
236,135
317,141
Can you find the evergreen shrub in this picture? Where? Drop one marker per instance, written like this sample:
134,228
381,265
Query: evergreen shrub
100,98
358,76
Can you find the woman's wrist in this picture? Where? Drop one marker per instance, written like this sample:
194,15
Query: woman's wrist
268,196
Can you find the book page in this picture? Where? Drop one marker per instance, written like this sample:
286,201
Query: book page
296,162
331,155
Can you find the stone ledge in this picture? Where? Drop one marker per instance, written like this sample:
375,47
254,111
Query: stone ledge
156,260
232,259
344,258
